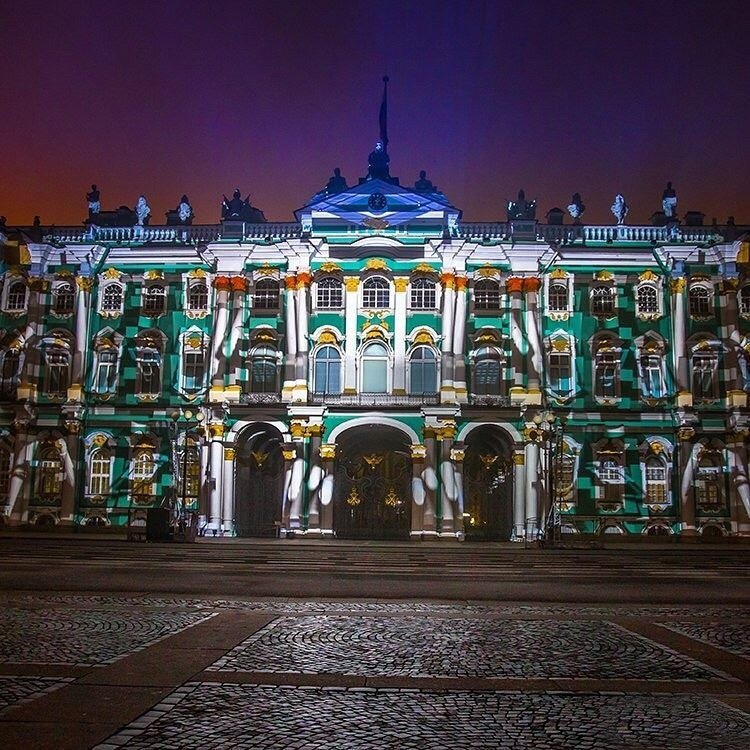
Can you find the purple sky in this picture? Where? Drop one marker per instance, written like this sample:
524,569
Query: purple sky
198,98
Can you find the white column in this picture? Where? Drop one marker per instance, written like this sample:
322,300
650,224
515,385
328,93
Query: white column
239,287
459,334
290,323
739,488
19,478
531,512
519,493
218,357
303,293
514,286
399,336
684,395
447,389
227,492
216,460
327,488
83,287
350,345
418,491
534,356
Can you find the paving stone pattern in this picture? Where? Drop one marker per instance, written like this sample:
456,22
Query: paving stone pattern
210,715
441,647
732,636
84,636
18,689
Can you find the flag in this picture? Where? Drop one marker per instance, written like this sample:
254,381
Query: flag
384,114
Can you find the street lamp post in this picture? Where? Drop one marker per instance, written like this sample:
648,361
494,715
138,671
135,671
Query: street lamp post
550,431
182,421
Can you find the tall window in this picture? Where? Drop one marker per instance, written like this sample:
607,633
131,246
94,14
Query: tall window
744,299
564,475
700,301
57,371
606,374
100,472
708,479
112,297
11,361
327,374
16,297
423,371
611,479
652,375
194,369
64,299
148,382
263,370
376,293
647,300
488,372
154,300
560,372
106,370
375,369
5,469
330,294
197,296
656,481
557,296
704,367
603,301
50,473
266,295
144,468
486,295
190,463
423,294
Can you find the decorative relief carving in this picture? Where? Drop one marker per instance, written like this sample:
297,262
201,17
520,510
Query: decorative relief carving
351,283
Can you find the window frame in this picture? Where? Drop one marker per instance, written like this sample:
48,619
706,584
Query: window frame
422,294
154,299
267,356
100,481
266,296
376,289
64,290
329,365
106,298
329,293
427,365
365,359
487,296
15,301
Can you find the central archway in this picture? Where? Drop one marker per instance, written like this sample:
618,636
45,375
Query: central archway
259,481
373,484
488,485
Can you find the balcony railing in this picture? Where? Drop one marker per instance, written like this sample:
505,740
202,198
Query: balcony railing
488,400
374,399
260,398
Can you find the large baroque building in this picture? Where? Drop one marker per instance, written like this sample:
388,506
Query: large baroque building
377,368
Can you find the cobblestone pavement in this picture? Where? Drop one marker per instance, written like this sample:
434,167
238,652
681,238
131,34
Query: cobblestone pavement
85,636
732,636
210,715
17,689
439,647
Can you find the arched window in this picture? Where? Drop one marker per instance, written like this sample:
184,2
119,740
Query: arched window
375,368
423,371
488,372
744,299
708,479
112,297
16,297
263,370
603,301
656,481
11,361
606,373
105,373
143,470
376,293
64,299
266,295
50,473
154,300
57,370
647,300
100,472
704,366
197,296
486,295
423,294
651,370
557,296
700,301
330,294
327,373
148,380
6,462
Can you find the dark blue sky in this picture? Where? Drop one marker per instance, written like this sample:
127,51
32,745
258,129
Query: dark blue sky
166,98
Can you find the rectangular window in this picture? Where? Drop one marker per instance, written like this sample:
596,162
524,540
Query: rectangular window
57,375
704,376
149,362
561,377
606,375
194,370
652,377
106,371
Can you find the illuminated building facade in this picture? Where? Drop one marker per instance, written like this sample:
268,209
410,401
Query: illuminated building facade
377,368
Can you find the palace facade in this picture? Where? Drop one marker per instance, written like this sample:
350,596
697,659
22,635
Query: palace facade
377,368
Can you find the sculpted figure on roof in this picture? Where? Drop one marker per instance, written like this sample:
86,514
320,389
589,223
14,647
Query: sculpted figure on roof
620,208
377,162
423,185
669,201
521,208
576,207
337,183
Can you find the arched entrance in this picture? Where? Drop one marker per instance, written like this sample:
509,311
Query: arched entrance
488,485
373,484
259,481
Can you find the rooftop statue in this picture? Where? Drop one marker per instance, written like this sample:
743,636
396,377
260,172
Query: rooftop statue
620,208
576,208
238,210
337,183
423,185
95,205
185,210
521,208
377,162
669,201
142,211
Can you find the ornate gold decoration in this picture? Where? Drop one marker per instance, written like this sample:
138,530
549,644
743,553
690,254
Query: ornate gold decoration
229,454
38,284
461,283
447,279
446,431
238,283
428,431
424,337
222,283
391,498
353,499
297,429
375,223
264,337
330,267
290,282
376,264
84,283
677,286
457,455
194,341
561,345
216,429
289,454
260,457
488,460
418,452
99,440
604,276
197,273
485,338
400,283
559,273
304,278
656,448
326,337
327,451
153,274
373,459
73,425
314,430
111,273
351,283
648,275
685,433
487,272
266,270
423,268
518,459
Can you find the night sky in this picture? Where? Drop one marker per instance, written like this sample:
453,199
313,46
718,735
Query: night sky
199,98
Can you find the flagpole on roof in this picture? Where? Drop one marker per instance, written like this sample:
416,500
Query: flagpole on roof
384,115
